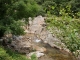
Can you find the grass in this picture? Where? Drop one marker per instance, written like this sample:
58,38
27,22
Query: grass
7,54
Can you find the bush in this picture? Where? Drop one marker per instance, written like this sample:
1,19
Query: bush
7,54
67,29
15,10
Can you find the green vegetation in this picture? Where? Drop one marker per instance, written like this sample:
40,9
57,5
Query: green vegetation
33,57
63,20
67,29
7,54
13,10
54,6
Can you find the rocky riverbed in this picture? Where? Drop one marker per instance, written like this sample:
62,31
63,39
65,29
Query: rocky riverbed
38,40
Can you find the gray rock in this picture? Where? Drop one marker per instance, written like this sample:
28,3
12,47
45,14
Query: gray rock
37,53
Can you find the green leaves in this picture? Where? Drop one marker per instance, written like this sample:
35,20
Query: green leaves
53,7
66,29
33,57
16,28
7,54
14,10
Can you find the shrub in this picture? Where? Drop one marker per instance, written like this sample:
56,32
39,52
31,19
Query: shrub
7,54
67,29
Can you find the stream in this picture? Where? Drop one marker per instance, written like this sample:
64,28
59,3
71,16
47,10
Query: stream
54,53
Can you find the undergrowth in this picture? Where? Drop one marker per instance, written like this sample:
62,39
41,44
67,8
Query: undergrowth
67,29
7,54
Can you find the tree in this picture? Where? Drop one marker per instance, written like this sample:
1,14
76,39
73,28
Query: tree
70,6
13,10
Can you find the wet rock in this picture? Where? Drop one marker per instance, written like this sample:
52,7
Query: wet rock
37,48
45,58
37,53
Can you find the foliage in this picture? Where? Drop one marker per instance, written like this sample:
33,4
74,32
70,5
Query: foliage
49,6
33,57
14,10
70,6
67,29
10,55
40,2
7,54
16,28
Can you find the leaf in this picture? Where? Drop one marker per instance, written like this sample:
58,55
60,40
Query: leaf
53,7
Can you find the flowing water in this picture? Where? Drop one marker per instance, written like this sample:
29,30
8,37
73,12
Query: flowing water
54,53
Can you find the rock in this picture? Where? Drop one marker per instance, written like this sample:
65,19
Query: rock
26,31
45,42
37,53
37,40
17,37
8,35
22,46
1,40
37,48
30,21
45,57
77,54
78,57
42,49
37,24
